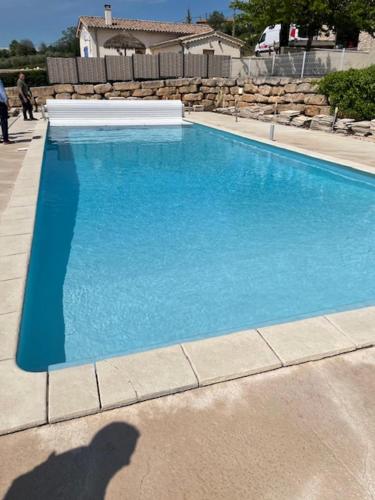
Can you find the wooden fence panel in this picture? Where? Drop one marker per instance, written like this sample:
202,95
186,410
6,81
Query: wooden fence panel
119,68
171,65
136,67
219,66
91,70
146,67
62,70
195,65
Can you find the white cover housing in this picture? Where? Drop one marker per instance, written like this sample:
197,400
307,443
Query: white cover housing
81,113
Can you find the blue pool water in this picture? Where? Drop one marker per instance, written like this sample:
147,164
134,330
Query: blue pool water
152,236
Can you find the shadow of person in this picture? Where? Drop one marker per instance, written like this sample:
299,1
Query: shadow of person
81,473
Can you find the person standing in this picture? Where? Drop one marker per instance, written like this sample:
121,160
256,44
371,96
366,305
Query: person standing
25,97
4,114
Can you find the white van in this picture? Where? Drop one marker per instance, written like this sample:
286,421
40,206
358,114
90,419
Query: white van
269,40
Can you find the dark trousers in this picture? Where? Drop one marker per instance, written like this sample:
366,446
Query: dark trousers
4,121
27,107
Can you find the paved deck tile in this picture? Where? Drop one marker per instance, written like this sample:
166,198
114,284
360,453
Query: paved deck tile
13,266
22,398
15,213
159,372
11,295
306,340
14,227
358,325
22,201
230,356
8,335
21,192
114,383
14,244
72,392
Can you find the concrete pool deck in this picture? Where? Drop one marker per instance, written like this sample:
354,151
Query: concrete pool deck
31,399
305,432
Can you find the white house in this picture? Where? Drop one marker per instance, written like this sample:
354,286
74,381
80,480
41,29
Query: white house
212,43
107,35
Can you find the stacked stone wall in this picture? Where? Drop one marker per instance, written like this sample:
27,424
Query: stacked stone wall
295,101
210,93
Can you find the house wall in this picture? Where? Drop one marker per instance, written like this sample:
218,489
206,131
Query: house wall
220,47
176,49
366,42
98,37
86,40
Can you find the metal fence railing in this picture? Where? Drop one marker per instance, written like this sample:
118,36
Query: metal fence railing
136,67
301,64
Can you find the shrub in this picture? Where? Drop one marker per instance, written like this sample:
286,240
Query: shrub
352,91
17,62
34,77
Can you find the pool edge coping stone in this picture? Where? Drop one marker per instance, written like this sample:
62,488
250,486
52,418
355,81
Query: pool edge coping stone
33,160
227,357
72,392
29,173
309,339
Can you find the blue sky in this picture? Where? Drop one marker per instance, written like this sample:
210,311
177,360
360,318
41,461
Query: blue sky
43,20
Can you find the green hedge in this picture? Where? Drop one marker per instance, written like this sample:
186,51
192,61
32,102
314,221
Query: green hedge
34,77
352,91
16,62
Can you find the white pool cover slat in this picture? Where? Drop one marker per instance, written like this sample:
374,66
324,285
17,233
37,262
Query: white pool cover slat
66,112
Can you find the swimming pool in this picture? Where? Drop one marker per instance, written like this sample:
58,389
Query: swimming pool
148,237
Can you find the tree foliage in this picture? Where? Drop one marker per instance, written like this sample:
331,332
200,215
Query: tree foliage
356,15
188,18
68,42
21,48
217,21
22,53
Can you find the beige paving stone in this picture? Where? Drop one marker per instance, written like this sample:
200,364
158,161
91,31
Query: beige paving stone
311,425
114,383
22,398
16,213
19,226
9,324
13,266
20,192
10,245
30,172
22,201
230,356
72,392
306,340
159,372
358,325
28,184
11,295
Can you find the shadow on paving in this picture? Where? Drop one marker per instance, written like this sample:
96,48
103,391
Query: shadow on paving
80,473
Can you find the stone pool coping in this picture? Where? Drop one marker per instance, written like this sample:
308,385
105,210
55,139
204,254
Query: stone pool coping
31,399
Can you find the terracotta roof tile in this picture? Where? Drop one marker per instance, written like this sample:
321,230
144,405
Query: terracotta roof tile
139,25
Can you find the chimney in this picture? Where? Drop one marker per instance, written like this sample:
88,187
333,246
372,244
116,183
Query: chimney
108,14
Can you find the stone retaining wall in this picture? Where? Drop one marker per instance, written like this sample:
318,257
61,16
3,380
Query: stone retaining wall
289,94
296,101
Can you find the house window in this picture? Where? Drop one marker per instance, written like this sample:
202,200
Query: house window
208,52
85,52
